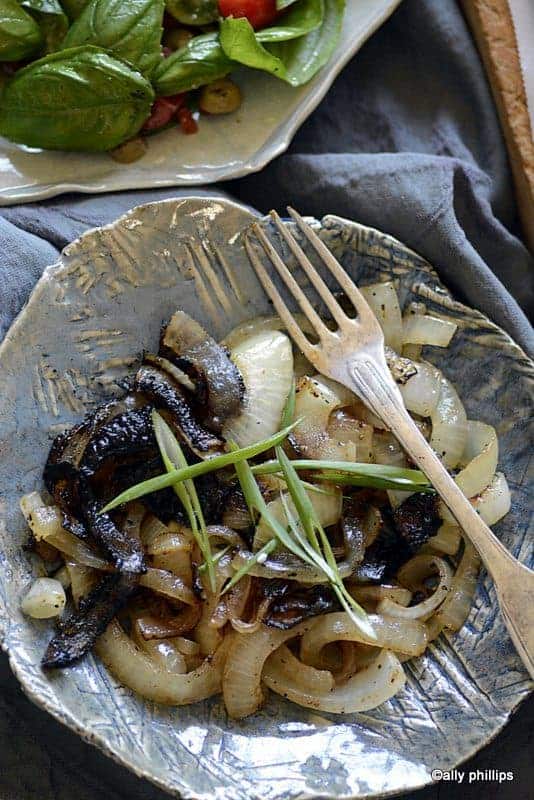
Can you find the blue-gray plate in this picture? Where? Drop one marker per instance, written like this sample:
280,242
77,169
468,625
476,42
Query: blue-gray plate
86,323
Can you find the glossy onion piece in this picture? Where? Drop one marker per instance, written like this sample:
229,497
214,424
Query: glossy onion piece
382,297
368,688
421,392
449,425
480,457
247,654
402,636
412,575
495,501
265,361
287,665
217,380
45,599
316,400
144,675
46,524
165,583
455,610
425,329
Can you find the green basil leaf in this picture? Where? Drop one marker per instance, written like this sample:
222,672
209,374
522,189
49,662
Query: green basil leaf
51,19
240,44
74,7
303,18
304,57
193,12
129,30
203,60
20,36
80,99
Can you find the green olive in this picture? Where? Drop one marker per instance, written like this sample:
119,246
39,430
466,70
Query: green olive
129,151
177,38
193,12
220,97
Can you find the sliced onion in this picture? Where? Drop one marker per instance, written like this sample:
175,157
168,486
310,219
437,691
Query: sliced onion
327,508
419,329
46,524
367,689
383,299
265,360
315,401
208,634
387,450
459,602
495,501
403,636
164,652
172,551
186,646
45,599
242,672
308,678
449,425
372,595
141,673
165,583
167,366
344,427
447,540
411,575
421,392
152,627
480,456
82,580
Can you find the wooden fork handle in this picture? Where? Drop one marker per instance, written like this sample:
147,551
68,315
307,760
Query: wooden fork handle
514,582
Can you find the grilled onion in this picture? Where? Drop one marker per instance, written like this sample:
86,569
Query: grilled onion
265,361
370,687
141,673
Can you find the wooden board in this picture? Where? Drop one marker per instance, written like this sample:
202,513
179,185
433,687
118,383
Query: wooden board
492,26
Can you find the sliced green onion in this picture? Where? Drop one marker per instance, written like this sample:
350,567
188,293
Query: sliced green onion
377,476
312,528
173,457
194,470
216,558
258,557
288,414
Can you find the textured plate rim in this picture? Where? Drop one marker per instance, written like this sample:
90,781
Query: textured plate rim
66,717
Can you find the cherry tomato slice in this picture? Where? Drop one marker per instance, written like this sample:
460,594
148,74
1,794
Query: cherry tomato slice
163,110
258,12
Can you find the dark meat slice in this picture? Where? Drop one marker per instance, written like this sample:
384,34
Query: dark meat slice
80,630
218,382
128,436
297,604
384,556
417,519
125,551
165,393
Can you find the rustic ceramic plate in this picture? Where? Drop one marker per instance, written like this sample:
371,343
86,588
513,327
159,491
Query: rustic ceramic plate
227,147
84,326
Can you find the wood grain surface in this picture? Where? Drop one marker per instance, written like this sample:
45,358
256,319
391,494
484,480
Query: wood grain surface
492,26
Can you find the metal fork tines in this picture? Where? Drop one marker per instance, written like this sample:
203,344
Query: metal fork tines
353,354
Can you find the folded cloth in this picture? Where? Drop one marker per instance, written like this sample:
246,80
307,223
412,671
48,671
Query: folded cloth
407,141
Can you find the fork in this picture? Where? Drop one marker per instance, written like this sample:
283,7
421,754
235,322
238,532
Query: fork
354,356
